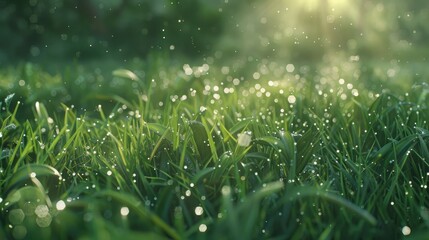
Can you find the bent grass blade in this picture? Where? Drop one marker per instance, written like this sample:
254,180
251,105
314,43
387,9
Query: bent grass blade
307,192
137,207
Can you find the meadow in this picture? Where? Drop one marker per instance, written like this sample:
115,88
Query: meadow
174,150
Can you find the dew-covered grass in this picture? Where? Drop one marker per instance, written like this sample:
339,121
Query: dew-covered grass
159,150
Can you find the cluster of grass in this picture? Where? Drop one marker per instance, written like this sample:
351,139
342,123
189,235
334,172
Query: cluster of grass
165,153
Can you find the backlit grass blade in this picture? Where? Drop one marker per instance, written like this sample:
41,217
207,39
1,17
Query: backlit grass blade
238,127
26,172
125,73
42,115
8,100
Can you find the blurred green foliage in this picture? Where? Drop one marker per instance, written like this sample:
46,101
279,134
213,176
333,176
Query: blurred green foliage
74,29
68,29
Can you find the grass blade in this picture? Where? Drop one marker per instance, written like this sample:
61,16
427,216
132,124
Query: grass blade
136,206
305,192
27,172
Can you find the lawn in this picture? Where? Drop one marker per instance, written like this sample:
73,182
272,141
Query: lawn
173,150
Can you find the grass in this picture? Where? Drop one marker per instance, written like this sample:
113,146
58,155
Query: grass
338,150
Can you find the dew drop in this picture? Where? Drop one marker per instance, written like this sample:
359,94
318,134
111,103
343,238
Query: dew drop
406,230
125,211
202,228
61,205
188,193
199,211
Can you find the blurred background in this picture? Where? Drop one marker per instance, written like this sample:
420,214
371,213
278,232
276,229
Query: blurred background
306,30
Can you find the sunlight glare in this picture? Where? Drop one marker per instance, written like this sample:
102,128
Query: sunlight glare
312,5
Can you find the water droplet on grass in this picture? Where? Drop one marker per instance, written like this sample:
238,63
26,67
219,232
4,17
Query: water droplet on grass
406,230
202,228
10,127
61,205
199,211
125,211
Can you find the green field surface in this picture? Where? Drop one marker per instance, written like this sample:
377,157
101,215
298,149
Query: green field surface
223,120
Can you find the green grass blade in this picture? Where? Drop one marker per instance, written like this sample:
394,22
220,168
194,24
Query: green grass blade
136,206
26,172
305,192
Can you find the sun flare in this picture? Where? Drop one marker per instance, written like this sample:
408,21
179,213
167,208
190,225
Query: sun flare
333,5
